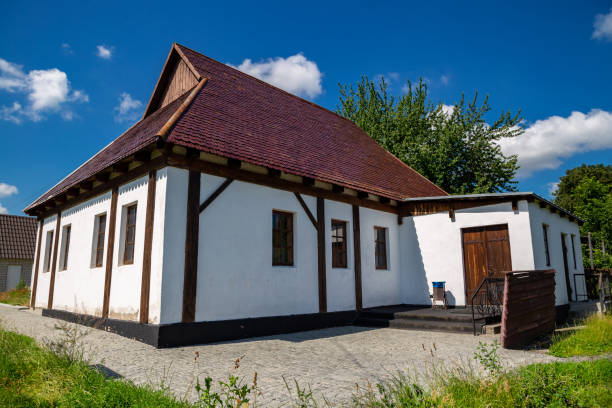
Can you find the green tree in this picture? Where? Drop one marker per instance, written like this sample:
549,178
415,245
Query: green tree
457,150
587,192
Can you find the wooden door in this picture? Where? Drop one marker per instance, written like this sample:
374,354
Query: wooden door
486,253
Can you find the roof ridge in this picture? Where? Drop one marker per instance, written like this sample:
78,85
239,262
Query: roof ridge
19,216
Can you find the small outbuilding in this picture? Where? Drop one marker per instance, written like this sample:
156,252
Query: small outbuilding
234,209
17,241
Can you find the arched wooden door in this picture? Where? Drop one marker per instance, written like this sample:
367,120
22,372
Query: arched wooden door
486,253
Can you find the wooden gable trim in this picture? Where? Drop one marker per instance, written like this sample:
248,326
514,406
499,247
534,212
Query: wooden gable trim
192,228
36,264
215,194
110,247
322,264
357,257
145,286
215,169
163,132
307,210
54,260
407,209
173,57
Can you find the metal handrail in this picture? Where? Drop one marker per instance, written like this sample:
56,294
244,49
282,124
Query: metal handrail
494,303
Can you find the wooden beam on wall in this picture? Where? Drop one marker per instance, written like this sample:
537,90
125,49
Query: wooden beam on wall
357,257
145,286
307,210
110,247
54,260
190,280
321,255
36,263
214,195
265,180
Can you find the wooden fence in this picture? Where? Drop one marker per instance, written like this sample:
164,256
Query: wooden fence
529,306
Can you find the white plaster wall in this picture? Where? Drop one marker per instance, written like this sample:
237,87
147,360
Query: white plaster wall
432,248
236,278
380,286
340,281
44,278
557,225
80,288
157,247
173,261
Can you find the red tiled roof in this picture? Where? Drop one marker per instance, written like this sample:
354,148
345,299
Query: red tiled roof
238,116
241,117
17,237
135,138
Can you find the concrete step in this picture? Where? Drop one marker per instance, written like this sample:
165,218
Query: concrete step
426,314
419,324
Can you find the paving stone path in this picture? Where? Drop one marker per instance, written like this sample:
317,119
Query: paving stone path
330,361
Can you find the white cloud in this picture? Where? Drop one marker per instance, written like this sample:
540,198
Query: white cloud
552,188
7,190
448,109
128,108
104,52
67,49
547,142
295,74
602,27
445,79
47,90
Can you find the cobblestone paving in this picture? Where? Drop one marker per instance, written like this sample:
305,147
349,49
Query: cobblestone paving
331,361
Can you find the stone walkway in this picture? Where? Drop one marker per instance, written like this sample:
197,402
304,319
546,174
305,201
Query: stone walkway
330,361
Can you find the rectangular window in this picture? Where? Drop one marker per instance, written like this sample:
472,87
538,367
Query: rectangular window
338,244
48,246
573,250
282,238
130,235
380,245
100,235
65,247
545,230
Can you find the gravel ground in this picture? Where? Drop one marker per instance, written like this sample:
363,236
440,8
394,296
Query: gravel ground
330,361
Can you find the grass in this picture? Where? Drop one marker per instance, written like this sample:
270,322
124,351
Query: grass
595,338
584,384
19,297
33,376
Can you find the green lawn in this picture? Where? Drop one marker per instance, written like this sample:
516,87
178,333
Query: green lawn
32,376
19,297
584,384
595,338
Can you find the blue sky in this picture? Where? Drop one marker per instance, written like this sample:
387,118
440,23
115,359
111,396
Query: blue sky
74,76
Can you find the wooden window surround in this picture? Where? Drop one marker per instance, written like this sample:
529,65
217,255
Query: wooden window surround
282,238
130,234
573,250
339,258
546,249
65,247
100,236
48,247
380,247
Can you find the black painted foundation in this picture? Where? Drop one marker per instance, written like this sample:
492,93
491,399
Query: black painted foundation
184,334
